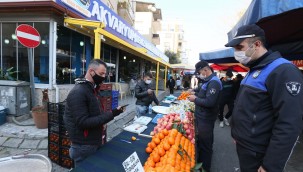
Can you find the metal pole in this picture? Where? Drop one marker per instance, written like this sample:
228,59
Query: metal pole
157,78
165,77
31,74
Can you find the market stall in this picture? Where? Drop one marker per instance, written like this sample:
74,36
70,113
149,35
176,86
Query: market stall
166,143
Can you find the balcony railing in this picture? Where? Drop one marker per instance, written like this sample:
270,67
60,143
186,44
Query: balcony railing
126,11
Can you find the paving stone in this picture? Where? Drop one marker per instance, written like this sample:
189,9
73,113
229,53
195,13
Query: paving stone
13,143
2,140
29,144
43,144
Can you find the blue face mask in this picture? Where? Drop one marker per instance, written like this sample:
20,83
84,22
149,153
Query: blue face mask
228,79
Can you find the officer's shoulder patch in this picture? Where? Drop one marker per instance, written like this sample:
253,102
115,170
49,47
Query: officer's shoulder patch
293,88
212,91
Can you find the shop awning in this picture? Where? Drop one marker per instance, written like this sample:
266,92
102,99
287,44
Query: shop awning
282,23
224,55
182,66
88,27
236,67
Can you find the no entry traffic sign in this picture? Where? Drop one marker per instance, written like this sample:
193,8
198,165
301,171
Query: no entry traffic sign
28,36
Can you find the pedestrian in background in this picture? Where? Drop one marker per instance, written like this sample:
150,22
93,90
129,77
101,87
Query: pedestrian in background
178,83
193,82
171,85
226,98
206,101
267,117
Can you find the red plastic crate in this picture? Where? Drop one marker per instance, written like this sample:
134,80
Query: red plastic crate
53,157
66,162
106,87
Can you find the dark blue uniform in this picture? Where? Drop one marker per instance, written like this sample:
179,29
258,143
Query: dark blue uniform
206,112
267,117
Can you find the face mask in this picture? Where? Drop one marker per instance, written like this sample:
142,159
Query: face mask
241,57
148,82
228,79
98,79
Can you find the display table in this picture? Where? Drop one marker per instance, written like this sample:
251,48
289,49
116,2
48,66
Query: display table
110,157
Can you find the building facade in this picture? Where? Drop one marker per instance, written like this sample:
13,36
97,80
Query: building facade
68,44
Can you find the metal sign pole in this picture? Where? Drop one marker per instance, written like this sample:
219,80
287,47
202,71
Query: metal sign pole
31,74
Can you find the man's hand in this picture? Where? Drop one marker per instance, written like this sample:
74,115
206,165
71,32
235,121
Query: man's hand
261,169
149,91
192,98
121,108
190,90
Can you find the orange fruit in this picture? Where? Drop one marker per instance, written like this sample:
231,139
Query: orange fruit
157,140
166,146
161,152
171,141
165,132
156,158
151,163
148,150
152,145
161,136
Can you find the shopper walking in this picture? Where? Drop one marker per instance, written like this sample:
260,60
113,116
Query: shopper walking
84,117
226,98
267,118
171,85
206,101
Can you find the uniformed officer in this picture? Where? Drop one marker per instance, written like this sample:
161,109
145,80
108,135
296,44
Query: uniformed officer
267,118
206,99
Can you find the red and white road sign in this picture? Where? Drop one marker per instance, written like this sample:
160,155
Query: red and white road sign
28,36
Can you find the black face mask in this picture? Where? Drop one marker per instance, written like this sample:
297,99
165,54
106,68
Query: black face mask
98,79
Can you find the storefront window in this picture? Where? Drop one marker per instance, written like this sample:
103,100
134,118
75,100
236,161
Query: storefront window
70,53
41,54
109,56
8,54
14,56
129,66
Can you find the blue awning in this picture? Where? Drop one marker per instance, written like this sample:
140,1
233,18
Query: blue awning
224,55
282,22
260,9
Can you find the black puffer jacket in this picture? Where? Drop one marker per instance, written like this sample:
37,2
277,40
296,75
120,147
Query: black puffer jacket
83,118
143,98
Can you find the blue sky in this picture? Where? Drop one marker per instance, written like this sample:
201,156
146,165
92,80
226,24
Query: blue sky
206,22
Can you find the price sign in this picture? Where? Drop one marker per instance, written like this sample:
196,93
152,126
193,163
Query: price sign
133,164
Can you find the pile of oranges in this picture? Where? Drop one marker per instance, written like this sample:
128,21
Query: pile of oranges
184,95
170,151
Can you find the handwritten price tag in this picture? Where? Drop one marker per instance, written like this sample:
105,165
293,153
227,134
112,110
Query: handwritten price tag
133,164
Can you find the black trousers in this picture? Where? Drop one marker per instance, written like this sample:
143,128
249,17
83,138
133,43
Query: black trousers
205,142
230,105
250,161
171,90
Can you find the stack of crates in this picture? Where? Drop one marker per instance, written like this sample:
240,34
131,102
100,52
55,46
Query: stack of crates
106,97
58,141
115,98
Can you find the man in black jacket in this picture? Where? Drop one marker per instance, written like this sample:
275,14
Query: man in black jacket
267,117
171,84
206,101
226,98
84,117
145,95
